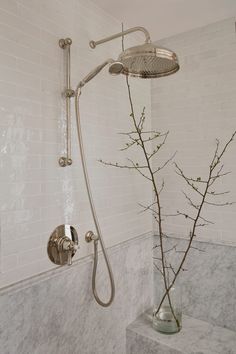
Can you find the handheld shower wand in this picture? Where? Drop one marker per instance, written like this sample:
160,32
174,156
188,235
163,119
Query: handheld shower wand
89,237
94,72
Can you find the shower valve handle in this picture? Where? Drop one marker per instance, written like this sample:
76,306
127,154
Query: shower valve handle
63,244
68,247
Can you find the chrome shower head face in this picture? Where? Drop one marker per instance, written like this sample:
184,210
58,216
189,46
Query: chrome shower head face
148,61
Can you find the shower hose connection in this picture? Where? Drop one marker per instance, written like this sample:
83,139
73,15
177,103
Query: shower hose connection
98,237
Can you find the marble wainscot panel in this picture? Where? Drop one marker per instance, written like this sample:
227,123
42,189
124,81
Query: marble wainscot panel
55,313
209,284
196,337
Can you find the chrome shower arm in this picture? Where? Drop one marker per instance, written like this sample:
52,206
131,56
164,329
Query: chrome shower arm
93,44
94,72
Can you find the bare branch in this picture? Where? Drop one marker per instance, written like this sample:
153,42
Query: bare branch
162,187
141,120
148,207
184,269
219,204
215,162
159,270
196,180
156,258
156,246
207,221
128,145
158,147
215,154
156,219
219,175
139,138
217,159
165,163
115,164
197,249
174,272
190,201
187,216
213,193
155,136
153,132
180,173
137,167
134,165
180,214
171,249
143,132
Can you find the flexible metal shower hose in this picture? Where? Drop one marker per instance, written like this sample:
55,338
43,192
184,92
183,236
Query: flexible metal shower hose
99,234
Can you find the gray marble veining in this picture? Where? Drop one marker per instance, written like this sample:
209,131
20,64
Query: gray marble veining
209,284
58,315
196,337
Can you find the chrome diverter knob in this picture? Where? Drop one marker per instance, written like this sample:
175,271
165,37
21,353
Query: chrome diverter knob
63,244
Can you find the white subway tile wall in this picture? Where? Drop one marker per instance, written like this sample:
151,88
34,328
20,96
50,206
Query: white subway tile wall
37,194
198,105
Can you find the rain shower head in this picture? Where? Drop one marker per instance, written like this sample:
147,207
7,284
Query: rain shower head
144,61
148,61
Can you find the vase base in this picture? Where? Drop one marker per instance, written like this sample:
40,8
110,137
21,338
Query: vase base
164,321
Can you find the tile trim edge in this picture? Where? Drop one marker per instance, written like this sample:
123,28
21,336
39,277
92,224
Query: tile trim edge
205,240
57,271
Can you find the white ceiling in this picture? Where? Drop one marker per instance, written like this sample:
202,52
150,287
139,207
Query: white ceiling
164,18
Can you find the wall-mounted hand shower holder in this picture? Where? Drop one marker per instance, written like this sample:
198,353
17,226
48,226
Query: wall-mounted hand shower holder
68,94
63,244
90,236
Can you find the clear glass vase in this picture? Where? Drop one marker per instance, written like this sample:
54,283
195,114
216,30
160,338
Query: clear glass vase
168,319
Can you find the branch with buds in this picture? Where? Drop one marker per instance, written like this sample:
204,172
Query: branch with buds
202,188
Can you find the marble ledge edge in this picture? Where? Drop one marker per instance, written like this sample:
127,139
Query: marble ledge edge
202,240
198,330
58,270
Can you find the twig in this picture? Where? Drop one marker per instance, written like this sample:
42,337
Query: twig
165,163
191,203
214,163
138,137
197,249
158,147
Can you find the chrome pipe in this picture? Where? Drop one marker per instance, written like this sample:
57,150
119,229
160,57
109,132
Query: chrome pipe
93,44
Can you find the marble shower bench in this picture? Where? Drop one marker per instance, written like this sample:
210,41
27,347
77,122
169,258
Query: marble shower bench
196,337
